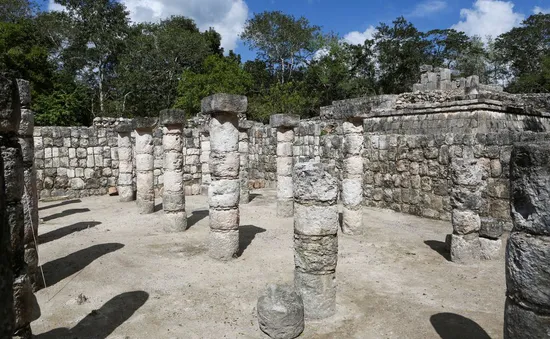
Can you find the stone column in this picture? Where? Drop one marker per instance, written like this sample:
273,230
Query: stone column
173,198
352,183
244,127
205,159
527,310
145,164
12,160
315,238
125,160
224,190
30,193
284,123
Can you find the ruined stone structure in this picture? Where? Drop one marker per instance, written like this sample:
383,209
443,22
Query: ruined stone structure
145,164
527,310
224,190
284,123
315,238
30,194
125,153
244,126
173,198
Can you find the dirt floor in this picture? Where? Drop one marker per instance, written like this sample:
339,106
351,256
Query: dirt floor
112,273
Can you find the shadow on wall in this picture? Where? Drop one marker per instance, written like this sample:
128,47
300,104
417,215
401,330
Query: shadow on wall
440,247
59,269
65,213
247,233
99,324
196,216
454,326
64,231
63,203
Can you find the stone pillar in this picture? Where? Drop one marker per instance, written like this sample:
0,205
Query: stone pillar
125,183
315,238
173,198
12,160
205,159
145,164
527,310
284,123
352,183
30,193
244,127
224,190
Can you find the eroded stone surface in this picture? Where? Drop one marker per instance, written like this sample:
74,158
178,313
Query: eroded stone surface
281,312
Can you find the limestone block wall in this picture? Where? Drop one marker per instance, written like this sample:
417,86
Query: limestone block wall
262,156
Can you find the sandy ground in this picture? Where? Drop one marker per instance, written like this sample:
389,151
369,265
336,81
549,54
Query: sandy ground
112,273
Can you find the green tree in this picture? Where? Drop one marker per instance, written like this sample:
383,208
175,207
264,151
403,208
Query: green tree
149,71
282,41
401,51
446,46
219,75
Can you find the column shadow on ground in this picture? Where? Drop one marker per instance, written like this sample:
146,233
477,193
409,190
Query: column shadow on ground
59,269
196,216
440,247
247,233
65,213
64,231
99,324
454,326
63,203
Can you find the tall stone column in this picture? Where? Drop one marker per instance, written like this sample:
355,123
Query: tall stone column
284,123
145,164
527,310
224,190
12,160
205,159
30,193
244,127
173,198
125,185
352,183
315,238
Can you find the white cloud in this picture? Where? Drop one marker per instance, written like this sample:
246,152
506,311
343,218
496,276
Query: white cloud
358,38
227,17
52,6
488,18
538,10
429,7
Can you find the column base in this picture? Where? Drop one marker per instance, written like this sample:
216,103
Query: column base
490,248
223,245
352,221
126,194
465,249
318,293
520,322
175,221
145,206
285,208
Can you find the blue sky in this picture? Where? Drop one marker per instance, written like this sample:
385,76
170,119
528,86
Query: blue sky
353,20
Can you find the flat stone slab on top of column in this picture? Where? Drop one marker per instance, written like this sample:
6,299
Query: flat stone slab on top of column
224,189
284,123
173,198
145,164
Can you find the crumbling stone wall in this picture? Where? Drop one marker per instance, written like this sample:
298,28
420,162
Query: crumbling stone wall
263,156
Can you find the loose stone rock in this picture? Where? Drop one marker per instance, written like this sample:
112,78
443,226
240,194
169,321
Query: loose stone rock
281,312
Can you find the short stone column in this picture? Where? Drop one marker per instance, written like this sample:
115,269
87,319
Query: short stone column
125,184
224,190
12,160
315,238
244,127
352,183
173,198
527,310
145,164
30,193
284,123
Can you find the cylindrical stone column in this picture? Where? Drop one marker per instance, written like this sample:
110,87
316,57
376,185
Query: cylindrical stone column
173,198
527,310
204,135
244,127
315,238
145,164
12,160
224,190
125,185
284,123
352,183
30,193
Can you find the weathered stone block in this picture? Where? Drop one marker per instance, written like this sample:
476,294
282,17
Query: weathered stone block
316,254
318,293
281,312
